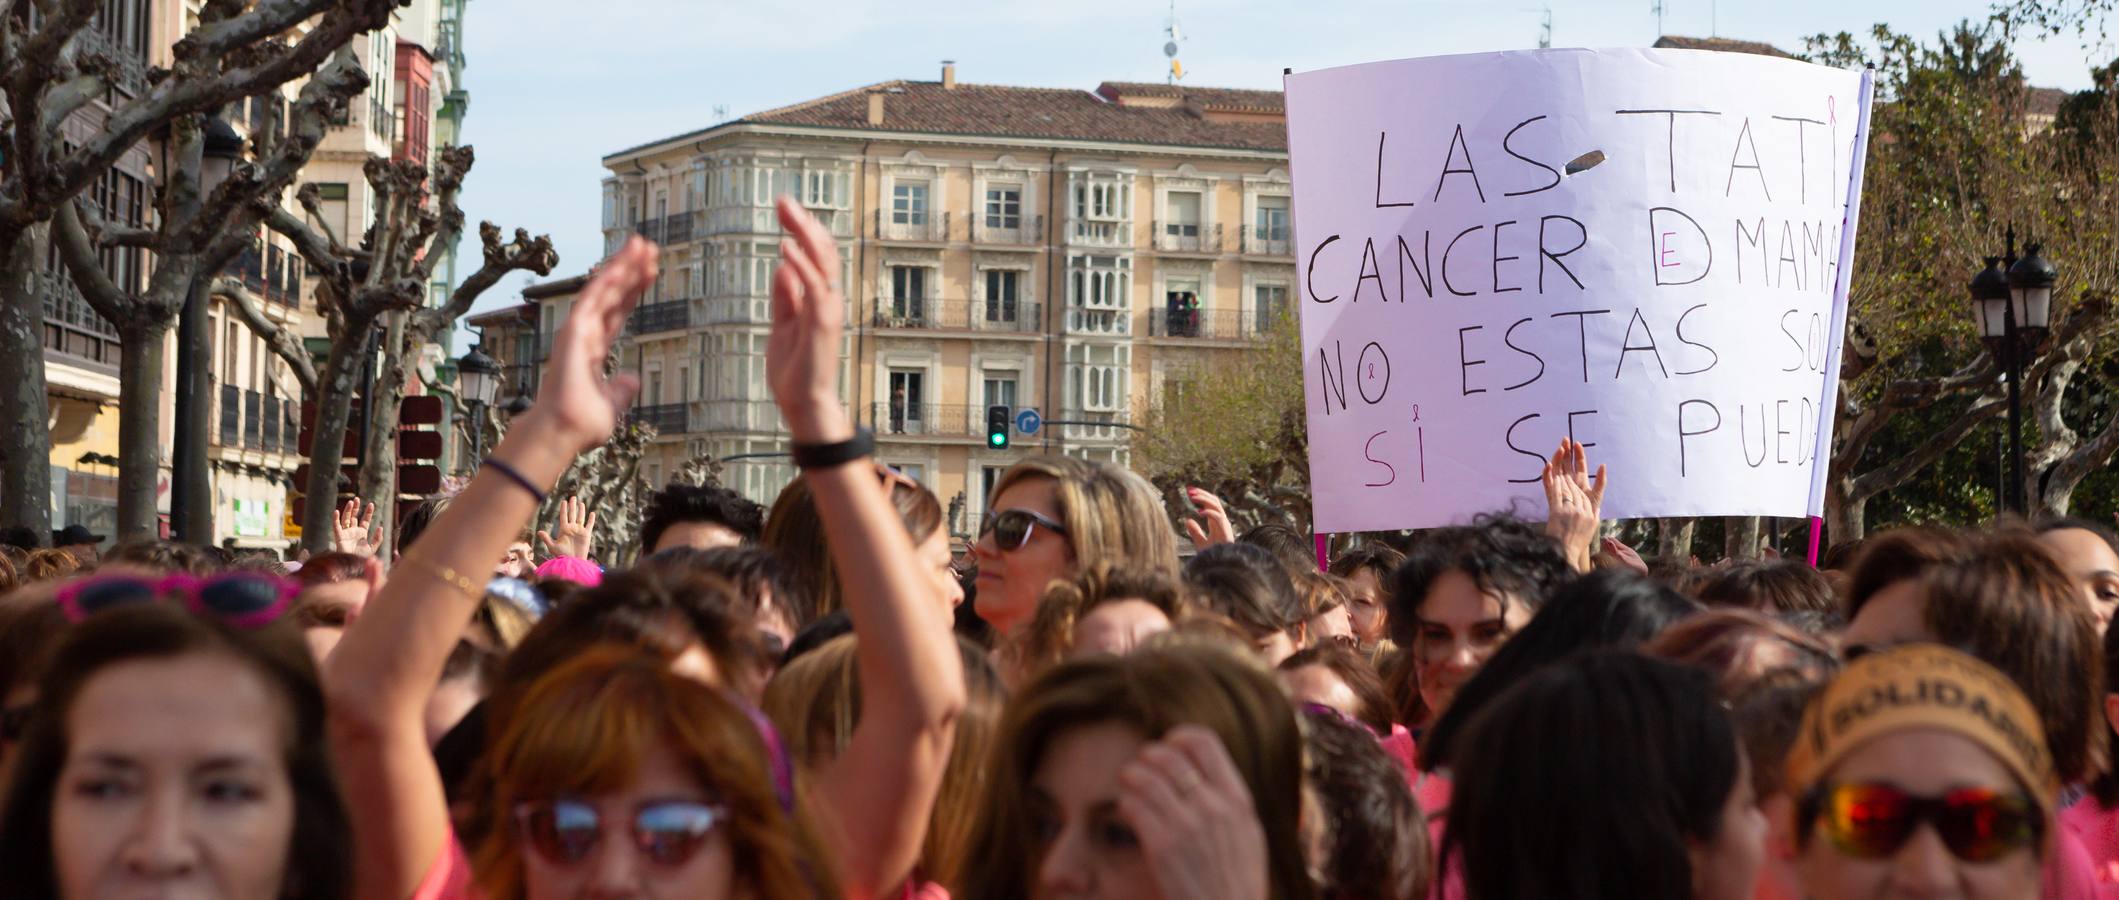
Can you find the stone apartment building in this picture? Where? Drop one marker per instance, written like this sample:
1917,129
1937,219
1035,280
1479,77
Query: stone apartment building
1079,253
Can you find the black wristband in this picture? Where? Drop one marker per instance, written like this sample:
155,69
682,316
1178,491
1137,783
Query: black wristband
825,456
515,476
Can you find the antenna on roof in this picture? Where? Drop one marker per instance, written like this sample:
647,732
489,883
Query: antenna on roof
1658,10
1174,37
720,112
1545,25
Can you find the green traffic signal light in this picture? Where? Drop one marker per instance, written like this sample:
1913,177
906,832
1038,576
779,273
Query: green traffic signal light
997,423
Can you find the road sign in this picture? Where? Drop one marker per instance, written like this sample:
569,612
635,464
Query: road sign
1028,421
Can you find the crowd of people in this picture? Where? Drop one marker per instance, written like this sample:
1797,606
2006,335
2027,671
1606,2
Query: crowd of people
821,700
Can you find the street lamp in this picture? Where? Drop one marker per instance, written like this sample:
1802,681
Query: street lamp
2013,301
478,376
191,483
516,405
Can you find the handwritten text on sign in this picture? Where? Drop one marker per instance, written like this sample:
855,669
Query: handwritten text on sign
1638,249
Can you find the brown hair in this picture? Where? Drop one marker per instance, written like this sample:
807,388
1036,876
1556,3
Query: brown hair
582,728
1372,707
1765,670
319,857
2004,600
1049,637
816,701
1739,646
795,534
8,576
1321,592
644,610
50,565
163,557
331,568
1897,555
1783,586
1160,686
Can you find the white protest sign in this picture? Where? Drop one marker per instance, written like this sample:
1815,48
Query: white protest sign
1641,249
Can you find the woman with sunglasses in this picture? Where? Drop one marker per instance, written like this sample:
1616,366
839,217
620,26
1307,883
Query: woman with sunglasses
1048,515
389,660
1920,772
176,752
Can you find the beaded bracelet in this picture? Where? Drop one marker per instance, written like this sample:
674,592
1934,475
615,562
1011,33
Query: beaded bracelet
448,575
515,476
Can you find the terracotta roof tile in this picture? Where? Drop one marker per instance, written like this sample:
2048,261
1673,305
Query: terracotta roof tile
985,110
1726,45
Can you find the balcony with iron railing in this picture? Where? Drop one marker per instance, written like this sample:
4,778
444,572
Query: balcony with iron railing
253,421
1095,320
649,228
73,329
763,220
231,416
1187,237
667,315
1116,430
745,416
930,228
1027,231
1100,232
992,316
665,418
1269,243
899,419
677,228
274,438
1205,324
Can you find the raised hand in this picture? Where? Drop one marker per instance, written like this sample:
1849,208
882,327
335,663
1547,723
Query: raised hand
1211,525
809,315
575,399
1195,819
1626,555
1574,502
354,529
576,526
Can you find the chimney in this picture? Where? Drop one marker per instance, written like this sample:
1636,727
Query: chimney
875,108
948,74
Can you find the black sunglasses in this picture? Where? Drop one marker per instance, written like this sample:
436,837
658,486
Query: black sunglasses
1011,527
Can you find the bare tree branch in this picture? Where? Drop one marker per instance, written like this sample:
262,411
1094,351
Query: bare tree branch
524,254
311,199
284,344
96,288
216,85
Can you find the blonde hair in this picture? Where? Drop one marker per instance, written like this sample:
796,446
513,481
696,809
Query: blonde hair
50,564
1321,592
1111,513
815,702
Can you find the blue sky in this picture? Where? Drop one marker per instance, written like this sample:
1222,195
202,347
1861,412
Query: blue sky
553,89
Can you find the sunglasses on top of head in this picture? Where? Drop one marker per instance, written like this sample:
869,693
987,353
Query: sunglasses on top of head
1011,528
1874,820
667,832
241,599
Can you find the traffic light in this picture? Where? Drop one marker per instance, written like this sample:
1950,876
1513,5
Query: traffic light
997,423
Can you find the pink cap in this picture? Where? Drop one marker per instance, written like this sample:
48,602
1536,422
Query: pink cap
571,568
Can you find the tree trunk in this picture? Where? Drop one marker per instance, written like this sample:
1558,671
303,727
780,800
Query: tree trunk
1674,539
378,483
25,431
1845,521
1741,537
139,427
334,400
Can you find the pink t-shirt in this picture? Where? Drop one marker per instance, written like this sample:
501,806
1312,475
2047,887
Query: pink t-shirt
450,876
2095,829
2070,874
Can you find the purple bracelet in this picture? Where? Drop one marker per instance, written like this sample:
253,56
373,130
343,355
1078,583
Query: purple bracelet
515,476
